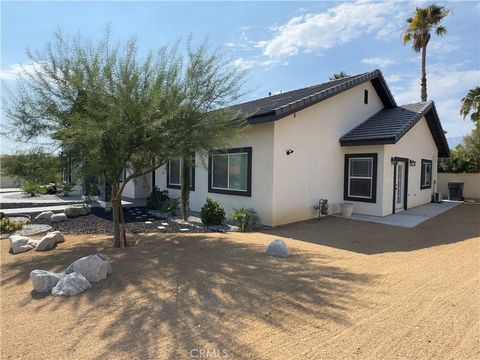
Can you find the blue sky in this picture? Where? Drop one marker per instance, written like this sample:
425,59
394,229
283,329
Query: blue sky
283,45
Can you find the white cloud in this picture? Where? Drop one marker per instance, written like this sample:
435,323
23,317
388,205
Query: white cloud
445,45
337,25
378,61
393,78
16,70
245,64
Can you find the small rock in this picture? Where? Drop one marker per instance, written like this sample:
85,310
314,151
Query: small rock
44,215
70,285
77,210
20,244
58,236
148,222
277,248
43,281
161,227
184,229
56,218
165,224
93,267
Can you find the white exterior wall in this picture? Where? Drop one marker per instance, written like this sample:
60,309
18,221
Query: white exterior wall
416,144
260,138
315,170
138,188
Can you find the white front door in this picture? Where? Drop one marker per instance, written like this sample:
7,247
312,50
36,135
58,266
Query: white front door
399,186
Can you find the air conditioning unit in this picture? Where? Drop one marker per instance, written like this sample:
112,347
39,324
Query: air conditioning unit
437,197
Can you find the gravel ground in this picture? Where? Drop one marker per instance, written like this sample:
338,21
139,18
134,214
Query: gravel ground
137,220
349,290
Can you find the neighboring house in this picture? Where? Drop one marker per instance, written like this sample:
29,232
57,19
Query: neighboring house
345,141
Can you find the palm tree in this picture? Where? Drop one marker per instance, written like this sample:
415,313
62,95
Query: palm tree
418,32
471,105
340,75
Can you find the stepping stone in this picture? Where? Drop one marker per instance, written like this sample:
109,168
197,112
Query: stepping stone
148,222
161,227
183,229
165,224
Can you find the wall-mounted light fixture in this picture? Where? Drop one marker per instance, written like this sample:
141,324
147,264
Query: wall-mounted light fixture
289,151
412,162
394,161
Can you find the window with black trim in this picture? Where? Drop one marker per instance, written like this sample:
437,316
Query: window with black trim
365,96
230,171
360,177
174,168
426,175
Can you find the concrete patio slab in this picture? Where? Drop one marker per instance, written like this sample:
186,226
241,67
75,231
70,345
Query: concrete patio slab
411,217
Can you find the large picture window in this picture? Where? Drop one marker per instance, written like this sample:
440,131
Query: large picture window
174,168
426,176
230,171
360,178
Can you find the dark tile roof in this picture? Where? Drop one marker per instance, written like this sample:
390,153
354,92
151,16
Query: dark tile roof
390,124
275,107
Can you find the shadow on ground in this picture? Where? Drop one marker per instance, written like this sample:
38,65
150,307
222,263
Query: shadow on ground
171,294
457,224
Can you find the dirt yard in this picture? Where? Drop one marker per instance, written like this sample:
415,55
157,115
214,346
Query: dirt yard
350,290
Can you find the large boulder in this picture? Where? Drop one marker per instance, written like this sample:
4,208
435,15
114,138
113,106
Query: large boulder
70,285
94,267
43,281
44,215
277,248
48,242
77,210
57,235
56,218
20,244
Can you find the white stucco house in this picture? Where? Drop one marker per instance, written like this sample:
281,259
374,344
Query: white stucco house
345,140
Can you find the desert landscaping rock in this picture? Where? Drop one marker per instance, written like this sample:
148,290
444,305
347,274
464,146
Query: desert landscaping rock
43,281
49,241
56,218
93,267
70,285
47,215
20,244
73,211
277,248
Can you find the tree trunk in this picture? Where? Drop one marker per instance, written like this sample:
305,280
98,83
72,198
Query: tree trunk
185,187
423,92
118,239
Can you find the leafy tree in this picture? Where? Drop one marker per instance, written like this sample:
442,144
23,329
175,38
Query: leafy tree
33,167
419,30
112,109
471,105
209,87
464,158
340,75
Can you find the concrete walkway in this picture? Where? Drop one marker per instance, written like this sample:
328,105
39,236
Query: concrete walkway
60,208
411,217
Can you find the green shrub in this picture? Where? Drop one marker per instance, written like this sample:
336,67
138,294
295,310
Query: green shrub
67,189
170,206
32,188
245,219
9,226
212,213
158,199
